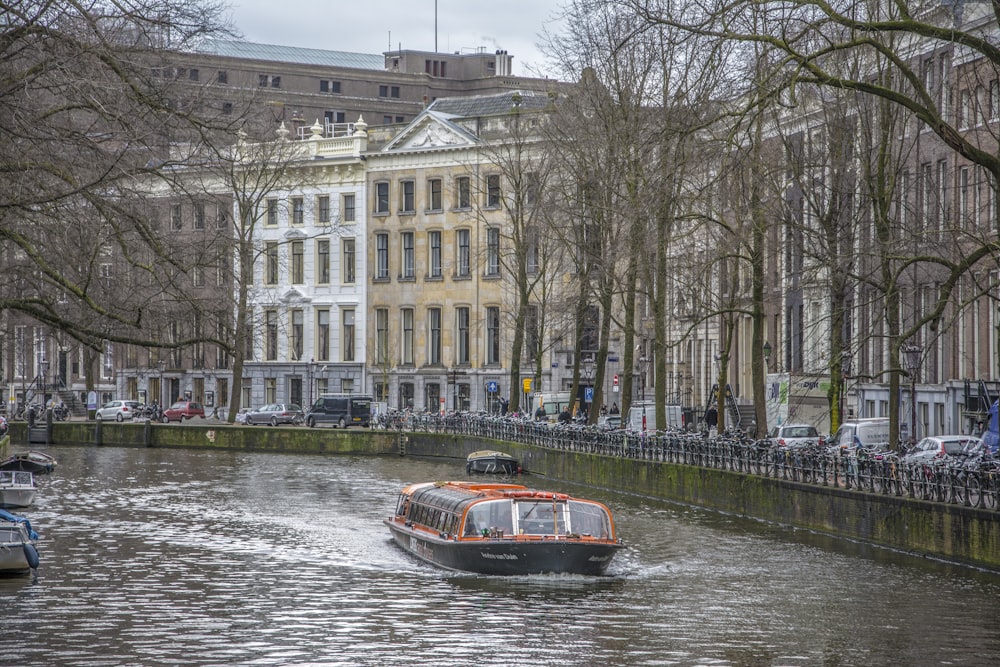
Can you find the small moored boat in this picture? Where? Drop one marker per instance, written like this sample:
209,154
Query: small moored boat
488,461
17,488
38,463
17,544
503,529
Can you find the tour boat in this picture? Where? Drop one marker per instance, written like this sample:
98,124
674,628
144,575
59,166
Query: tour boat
488,462
17,544
503,529
17,488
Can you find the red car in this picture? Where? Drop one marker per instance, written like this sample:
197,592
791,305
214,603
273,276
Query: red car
182,410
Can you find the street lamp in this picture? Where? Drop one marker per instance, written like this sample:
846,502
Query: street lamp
767,356
911,354
588,374
162,366
643,364
43,379
845,372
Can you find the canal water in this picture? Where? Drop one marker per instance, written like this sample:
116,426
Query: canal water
154,557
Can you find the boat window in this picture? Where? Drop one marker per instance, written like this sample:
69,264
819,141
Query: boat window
541,518
9,535
492,515
589,519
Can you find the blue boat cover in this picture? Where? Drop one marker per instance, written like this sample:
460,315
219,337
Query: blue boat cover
4,514
991,437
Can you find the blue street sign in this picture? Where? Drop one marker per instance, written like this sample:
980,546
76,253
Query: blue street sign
588,394
491,387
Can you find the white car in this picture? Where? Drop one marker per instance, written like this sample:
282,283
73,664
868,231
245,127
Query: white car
795,435
119,411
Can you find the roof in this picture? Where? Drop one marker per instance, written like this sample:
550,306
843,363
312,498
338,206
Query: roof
291,54
488,105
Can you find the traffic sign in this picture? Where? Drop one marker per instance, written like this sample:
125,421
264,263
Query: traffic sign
616,381
491,387
588,394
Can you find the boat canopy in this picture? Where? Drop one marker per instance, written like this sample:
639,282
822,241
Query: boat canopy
13,518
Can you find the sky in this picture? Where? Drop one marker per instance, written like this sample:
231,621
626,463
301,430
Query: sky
380,25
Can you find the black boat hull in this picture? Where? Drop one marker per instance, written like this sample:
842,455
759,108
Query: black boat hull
507,556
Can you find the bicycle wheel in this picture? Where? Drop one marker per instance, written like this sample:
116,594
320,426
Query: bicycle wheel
974,494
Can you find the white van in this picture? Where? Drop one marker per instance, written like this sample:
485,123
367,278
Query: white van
553,402
647,409
868,433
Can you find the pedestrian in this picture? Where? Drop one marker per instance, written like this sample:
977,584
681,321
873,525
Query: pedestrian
540,413
564,416
504,403
711,418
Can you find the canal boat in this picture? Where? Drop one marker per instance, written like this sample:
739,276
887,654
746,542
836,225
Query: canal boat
18,553
488,462
38,463
17,488
503,529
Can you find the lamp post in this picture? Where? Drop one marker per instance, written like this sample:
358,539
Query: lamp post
43,380
162,365
643,364
845,372
911,354
588,374
767,356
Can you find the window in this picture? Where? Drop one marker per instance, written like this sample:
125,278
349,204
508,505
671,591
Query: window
964,189
298,211
406,203
323,335
270,390
383,91
464,190
221,216
199,216
493,251
271,263
348,209
271,334
176,219
462,342
298,263
387,120
381,256
198,276
434,241
262,80
994,99
493,335
394,91
407,242
323,208
349,266
227,108
222,76
531,254
434,336
942,193
348,337
434,194
276,82
381,336
406,342
296,334
194,75
464,268
272,213
323,262
493,191
382,197
327,86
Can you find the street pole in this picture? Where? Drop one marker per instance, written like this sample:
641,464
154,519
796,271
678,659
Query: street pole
912,356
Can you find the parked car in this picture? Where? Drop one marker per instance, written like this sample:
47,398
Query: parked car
870,433
182,410
117,410
609,422
795,435
341,410
241,416
276,413
938,446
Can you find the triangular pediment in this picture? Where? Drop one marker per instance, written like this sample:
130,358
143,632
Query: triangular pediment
430,131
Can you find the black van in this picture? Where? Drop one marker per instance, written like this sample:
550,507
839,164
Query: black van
341,410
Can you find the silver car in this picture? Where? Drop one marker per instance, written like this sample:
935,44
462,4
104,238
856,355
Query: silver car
118,411
276,413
